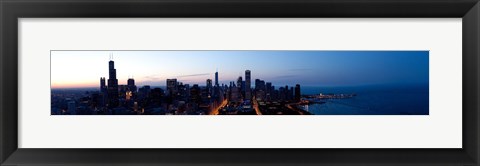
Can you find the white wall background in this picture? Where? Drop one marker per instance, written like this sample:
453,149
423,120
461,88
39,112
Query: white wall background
441,129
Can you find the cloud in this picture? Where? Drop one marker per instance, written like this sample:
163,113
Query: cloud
151,77
193,75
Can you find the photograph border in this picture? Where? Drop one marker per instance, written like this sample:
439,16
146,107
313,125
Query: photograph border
12,10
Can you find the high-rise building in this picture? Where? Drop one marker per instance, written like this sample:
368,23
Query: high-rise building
239,81
209,89
131,85
216,78
103,92
172,86
234,94
260,89
268,91
112,85
195,94
183,91
259,85
242,87
268,87
209,83
297,93
239,87
248,85
103,86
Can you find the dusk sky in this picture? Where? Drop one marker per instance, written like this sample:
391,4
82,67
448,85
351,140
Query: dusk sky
78,69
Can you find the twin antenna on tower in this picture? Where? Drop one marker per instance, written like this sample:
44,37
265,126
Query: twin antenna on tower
111,56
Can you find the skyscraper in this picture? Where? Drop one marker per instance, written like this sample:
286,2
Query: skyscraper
132,89
103,86
259,85
183,91
172,86
209,87
131,85
112,85
239,81
216,78
103,92
259,89
297,93
195,94
209,83
268,91
248,85
239,87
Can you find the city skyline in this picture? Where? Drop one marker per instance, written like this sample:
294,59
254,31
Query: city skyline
249,94
237,98
81,69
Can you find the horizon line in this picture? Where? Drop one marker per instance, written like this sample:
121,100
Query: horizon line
363,85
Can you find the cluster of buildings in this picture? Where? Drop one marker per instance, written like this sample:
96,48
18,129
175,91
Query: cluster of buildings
236,98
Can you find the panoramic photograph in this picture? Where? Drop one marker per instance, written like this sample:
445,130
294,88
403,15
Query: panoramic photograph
239,82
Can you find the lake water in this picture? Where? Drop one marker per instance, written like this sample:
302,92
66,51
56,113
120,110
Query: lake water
372,100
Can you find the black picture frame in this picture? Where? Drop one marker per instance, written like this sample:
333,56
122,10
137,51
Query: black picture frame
11,10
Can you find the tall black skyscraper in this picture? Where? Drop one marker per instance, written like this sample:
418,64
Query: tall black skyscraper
112,85
103,92
297,93
248,85
239,82
216,78
103,85
239,87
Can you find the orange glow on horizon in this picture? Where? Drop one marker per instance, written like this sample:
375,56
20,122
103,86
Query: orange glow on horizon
75,85
200,80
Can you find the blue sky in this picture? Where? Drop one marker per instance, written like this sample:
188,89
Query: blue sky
75,69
